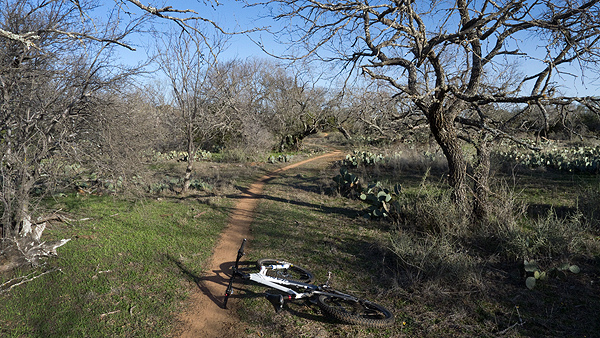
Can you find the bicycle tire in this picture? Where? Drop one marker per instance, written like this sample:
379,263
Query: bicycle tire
293,273
360,312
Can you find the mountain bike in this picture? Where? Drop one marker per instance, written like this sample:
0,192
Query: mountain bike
292,282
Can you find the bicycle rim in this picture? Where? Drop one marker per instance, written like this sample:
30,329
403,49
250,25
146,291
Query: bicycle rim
361,312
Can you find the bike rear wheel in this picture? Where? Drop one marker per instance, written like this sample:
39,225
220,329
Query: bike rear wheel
292,273
355,311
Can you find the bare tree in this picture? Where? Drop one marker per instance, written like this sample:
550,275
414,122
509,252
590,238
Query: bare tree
194,77
295,106
380,113
42,89
240,82
136,12
56,64
452,58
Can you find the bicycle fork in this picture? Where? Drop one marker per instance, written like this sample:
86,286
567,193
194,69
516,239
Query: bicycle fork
235,273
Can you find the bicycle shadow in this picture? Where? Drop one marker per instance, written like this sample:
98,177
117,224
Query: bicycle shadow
213,284
308,310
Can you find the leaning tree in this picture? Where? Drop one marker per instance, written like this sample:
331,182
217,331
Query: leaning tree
457,61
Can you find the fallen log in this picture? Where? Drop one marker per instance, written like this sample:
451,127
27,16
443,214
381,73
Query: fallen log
27,248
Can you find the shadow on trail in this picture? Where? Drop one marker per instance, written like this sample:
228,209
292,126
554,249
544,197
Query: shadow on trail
320,207
212,284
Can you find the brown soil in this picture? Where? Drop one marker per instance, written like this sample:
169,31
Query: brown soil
205,315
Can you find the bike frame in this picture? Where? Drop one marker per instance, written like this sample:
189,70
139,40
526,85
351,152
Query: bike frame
279,284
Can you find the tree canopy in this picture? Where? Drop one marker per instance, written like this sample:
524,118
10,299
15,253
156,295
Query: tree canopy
452,59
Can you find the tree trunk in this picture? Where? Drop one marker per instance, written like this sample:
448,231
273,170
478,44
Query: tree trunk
344,132
187,178
445,134
481,178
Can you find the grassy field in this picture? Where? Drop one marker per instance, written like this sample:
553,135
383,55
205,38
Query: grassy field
124,272
443,280
130,263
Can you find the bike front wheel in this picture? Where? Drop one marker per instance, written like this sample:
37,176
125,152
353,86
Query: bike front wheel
355,311
290,272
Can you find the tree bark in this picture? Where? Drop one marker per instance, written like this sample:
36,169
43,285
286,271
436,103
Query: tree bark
190,160
445,134
344,132
481,177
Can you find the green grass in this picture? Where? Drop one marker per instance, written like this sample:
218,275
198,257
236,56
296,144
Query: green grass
125,272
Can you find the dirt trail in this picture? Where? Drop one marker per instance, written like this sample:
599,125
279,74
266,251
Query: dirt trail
205,316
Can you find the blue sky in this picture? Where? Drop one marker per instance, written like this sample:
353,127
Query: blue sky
234,16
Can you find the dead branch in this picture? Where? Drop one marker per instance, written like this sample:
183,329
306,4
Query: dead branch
9,285
109,313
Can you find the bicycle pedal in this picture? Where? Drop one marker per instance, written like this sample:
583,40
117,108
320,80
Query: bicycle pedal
276,300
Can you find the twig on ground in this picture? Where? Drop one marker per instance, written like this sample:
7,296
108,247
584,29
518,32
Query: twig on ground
109,313
24,279
520,322
199,214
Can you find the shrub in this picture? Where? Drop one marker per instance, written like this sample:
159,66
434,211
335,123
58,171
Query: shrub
550,237
429,244
431,210
511,234
436,241
591,121
433,258
412,159
573,159
589,206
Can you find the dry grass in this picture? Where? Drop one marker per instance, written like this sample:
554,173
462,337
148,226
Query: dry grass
441,276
